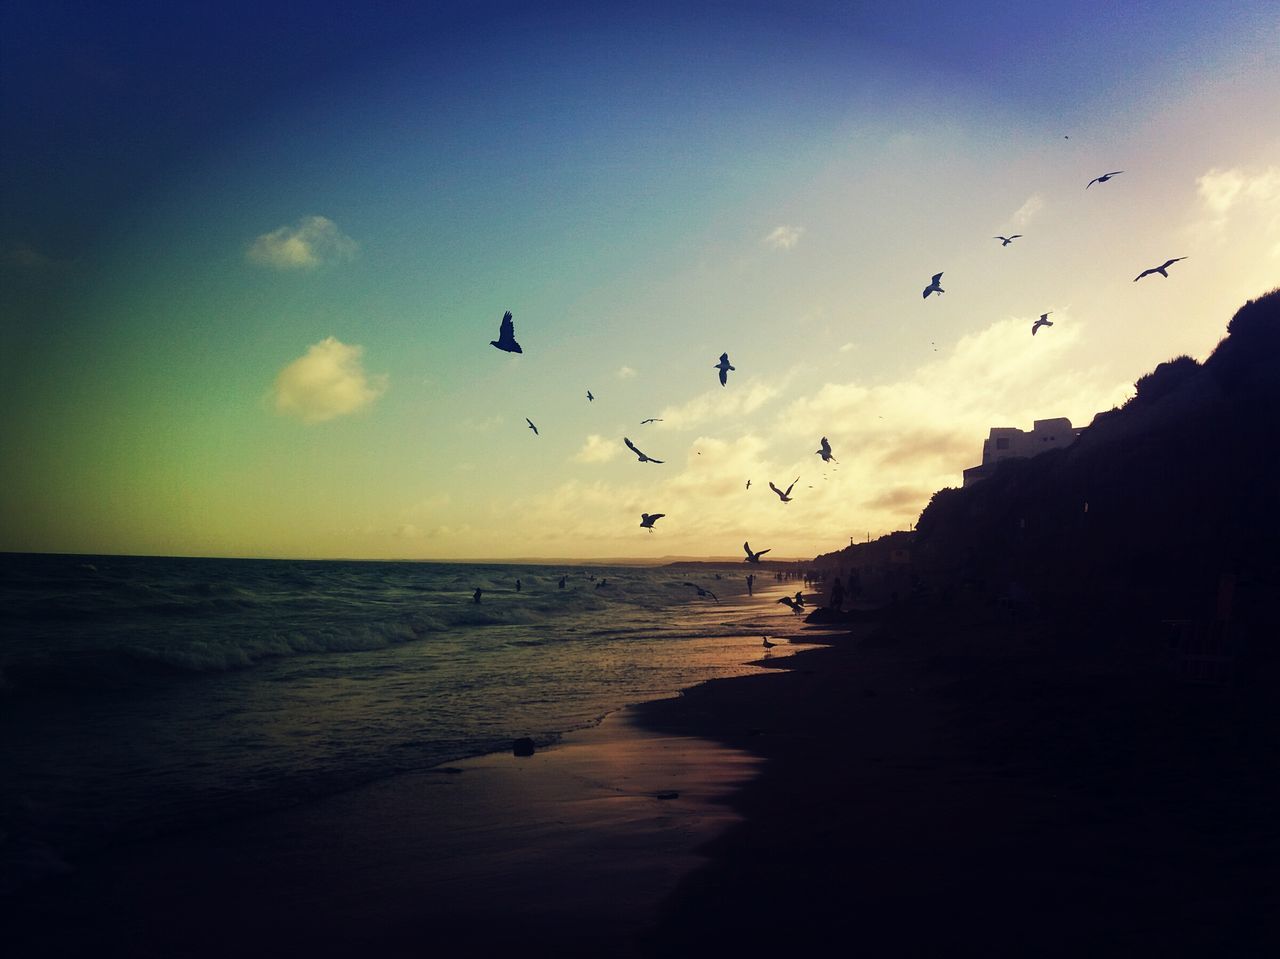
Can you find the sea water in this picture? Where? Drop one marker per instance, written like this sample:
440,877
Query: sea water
141,695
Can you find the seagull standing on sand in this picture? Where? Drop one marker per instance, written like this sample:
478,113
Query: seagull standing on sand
648,519
507,336
753,557
1159,269
531,426
643,459
824,451
1006,240
724,368
1103,179
935,286
785,497
766,644
1043,321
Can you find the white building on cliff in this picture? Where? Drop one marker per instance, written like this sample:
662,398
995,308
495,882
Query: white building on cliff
1006,442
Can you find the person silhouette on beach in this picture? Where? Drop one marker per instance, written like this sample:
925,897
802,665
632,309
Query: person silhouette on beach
476,595
750,581
837,594
517,586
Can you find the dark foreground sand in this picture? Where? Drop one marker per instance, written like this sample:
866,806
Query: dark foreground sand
931,785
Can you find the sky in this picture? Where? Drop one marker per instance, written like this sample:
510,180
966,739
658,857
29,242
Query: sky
252,256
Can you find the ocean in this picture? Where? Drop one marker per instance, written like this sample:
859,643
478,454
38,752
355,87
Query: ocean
141,696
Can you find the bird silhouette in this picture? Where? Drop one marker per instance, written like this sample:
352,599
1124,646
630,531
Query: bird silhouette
648,519
703,592
724,368
791,604
531,426
1006,240
785,497
589,396
766,644
1159,269
1103,179
1043,321
753,557
825,452
652,419
748,484
507,336
935,286
643,459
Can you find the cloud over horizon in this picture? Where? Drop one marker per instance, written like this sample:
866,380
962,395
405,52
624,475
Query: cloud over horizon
326,382
311,242
783,237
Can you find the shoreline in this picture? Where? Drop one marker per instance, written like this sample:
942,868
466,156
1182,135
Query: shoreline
572,849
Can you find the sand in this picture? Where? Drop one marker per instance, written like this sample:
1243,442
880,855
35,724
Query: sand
937,783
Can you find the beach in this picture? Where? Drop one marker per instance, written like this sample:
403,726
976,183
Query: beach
928,783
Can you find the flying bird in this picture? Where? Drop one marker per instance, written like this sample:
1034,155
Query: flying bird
825,451
648,519
748,484
1104,178
652,419
791,604
589,396
753,557
703,592
643,459
1159,269
1043,321
531,426
785,497
724,368
507,335
935,286
1006,240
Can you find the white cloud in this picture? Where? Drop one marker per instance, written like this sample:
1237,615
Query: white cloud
1035,203
1247,202
597,449
327,381
718,404
783,237
848,347
314,240
626,373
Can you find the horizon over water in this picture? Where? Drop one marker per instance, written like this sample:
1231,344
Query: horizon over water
141,696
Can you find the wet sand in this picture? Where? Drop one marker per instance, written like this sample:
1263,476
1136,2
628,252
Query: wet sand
930,784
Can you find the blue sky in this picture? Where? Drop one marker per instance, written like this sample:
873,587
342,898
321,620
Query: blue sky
253,258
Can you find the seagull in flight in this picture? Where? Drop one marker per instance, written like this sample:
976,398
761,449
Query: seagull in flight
1159,269
791,604
825,452
643,459
785,497
648,519
935,286
507,335
531,426
1006,240
589,396
753,557
724,368
1104,178
1043,321
651,419
748,484
704,593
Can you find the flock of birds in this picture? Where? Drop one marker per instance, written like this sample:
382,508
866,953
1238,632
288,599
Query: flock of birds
506,341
